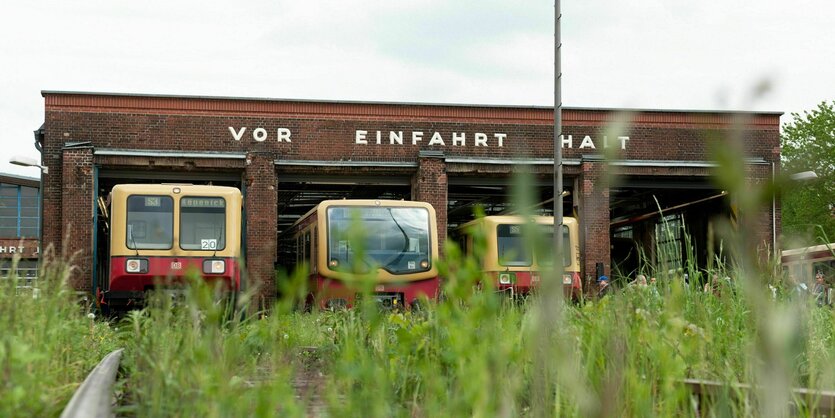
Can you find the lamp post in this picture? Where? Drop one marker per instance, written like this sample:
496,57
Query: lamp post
804,176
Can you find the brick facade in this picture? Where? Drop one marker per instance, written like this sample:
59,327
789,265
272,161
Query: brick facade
429,184
26,248
261,216
77,211
461,138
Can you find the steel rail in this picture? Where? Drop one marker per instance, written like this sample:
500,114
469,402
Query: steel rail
821,402
94,398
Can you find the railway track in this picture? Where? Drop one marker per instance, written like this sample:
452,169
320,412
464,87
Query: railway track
94,398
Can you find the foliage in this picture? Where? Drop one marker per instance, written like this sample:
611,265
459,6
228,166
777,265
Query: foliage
48,343
808,144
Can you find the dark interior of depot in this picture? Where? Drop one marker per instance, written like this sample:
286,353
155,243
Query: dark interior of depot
646,213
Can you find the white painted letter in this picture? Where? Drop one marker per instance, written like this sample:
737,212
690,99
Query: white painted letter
480,139
12,250
501,138
396,137
283,134
587,143
360,137
259,134
379,137
2,250
436,139
459,139
417,136
237,135
569,141
623,140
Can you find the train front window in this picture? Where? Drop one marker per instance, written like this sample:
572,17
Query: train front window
512,246
394,239
545,252
150,222
202,223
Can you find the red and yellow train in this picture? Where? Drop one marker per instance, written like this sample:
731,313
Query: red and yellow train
393,242
513,262
161,233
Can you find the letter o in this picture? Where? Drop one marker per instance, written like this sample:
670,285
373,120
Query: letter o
259,134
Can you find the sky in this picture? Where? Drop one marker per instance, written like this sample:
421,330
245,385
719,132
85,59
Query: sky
758,55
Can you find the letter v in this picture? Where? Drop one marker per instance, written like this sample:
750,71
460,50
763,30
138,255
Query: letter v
237,135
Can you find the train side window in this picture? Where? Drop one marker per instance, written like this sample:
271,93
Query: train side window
313,251
307,246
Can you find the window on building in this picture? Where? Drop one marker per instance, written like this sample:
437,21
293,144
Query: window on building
19,211
668,238
26,271
623,232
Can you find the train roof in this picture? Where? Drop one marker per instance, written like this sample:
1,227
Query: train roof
515,219
168,188
365,202
823,248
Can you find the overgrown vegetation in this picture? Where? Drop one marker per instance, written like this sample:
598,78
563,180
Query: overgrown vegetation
471,354
48,343
808,144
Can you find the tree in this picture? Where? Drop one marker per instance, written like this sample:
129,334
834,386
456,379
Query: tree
808,144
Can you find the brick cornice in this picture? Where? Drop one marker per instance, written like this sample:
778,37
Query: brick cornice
380,111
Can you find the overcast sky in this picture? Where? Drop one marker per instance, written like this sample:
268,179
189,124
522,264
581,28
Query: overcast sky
659,54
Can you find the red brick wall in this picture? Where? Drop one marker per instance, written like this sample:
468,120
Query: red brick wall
429,185
261,221
594,225
77,214
26,248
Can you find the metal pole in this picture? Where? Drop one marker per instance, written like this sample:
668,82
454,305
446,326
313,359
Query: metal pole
545,363
558,186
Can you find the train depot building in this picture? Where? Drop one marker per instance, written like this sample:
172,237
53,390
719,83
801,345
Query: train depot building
286,156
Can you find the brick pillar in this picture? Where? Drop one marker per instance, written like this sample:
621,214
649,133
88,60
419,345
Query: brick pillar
77,214
51,189
261,207
429,185
758,225
594,218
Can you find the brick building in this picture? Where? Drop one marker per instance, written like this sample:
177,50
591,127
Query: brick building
286,155
19,226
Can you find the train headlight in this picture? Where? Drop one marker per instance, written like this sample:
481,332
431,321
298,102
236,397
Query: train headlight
214,266
424,264
506,278
567,279
136,265
333,263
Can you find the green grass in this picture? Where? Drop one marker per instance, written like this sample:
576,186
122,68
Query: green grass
48,344
471,354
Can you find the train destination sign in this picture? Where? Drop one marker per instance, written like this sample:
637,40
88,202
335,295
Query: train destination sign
452,139
202,202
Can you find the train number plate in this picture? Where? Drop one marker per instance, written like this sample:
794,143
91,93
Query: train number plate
176,265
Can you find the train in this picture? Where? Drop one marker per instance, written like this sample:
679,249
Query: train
392,242
801,265
161,233
512,262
